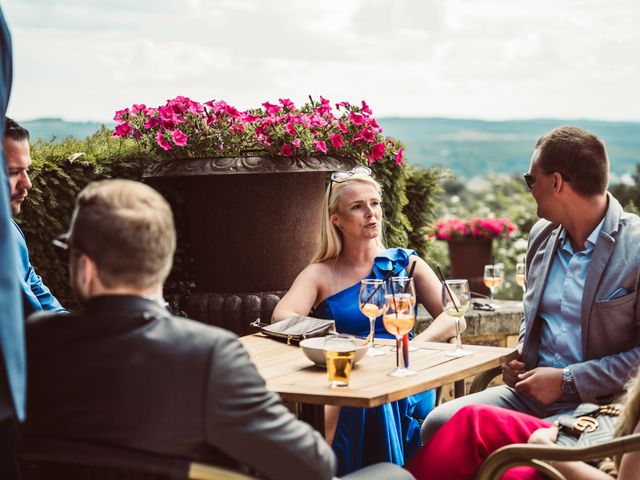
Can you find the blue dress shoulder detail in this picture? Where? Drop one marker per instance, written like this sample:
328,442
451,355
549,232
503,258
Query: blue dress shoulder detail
388,433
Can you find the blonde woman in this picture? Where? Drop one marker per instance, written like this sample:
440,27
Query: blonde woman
351,249
459,448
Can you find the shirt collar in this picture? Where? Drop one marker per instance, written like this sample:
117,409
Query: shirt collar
589,244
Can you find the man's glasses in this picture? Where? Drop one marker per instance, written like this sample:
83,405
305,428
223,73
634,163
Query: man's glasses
63,247
343,176
530,178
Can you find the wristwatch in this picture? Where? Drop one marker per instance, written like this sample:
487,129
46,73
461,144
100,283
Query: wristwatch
567,381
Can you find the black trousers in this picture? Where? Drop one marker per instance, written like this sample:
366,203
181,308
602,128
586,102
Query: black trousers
8,441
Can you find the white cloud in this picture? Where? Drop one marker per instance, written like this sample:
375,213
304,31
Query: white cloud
492,59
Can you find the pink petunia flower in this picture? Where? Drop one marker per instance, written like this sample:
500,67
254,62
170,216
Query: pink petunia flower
122,130
286,150
139,107
121,115
286,103
377,152
296,143
336,140
343,128
320,146
290,129
365,108
366,135
399,157
179,138
271,109
163,142
356,118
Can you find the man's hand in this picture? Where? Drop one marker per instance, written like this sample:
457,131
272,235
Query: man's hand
510,372
544,384
545,436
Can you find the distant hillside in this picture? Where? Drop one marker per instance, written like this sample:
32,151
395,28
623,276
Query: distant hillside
56,128
477,147
467,147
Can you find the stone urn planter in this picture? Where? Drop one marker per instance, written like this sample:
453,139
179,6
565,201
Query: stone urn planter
468,257
252,225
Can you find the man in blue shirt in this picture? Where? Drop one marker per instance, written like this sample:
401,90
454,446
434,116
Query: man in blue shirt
35,294
579,339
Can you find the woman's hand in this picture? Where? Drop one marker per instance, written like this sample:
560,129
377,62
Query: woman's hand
545,436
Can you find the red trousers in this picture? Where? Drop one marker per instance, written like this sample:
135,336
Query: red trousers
458,449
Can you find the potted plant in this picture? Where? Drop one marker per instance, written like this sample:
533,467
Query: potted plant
470,245
253,180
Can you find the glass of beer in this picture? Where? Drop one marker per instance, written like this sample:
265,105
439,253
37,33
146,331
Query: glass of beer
456,297
339,352
398,319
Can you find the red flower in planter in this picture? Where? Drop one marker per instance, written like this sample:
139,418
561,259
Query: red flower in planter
475,228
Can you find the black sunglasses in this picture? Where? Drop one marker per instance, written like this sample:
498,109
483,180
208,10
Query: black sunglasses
343,176
530,178
63,247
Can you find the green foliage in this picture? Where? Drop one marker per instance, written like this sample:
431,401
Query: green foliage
393,181
423,189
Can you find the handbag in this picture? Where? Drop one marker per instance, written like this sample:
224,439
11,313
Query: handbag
296,329
589,425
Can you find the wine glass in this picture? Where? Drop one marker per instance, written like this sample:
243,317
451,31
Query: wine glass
371,301
521,271
398,319
493,276
406,285
456,297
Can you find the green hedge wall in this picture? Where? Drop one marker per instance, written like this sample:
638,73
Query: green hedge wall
62,168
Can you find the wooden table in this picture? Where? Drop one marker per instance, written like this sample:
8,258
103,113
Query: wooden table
288,372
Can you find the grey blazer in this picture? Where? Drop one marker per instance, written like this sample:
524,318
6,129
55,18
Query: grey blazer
126,373
610,328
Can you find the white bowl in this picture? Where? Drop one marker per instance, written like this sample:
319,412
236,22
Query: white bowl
313,348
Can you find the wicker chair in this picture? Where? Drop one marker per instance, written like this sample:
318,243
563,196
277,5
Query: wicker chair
535,455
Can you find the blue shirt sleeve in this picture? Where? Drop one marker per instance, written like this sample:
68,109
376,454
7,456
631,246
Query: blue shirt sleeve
35,294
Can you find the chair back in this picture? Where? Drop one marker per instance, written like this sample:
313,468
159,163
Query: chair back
41,459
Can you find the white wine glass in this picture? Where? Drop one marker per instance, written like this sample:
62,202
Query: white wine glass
398,319
456,298
521,273
371,301
493,277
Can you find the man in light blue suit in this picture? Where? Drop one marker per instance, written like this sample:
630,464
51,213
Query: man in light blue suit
12,354
35,294
580,336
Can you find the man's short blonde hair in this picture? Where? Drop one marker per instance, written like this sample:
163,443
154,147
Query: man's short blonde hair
127,229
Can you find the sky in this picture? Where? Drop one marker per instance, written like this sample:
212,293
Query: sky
486,59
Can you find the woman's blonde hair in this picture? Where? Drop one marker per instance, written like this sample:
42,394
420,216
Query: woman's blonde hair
330,244
630,415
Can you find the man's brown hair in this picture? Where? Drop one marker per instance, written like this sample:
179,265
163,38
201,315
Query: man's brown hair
579,156
127,229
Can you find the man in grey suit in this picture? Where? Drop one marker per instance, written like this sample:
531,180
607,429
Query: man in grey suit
579,339
124,372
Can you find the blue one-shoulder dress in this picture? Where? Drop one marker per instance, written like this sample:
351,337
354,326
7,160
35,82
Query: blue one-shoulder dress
388,433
